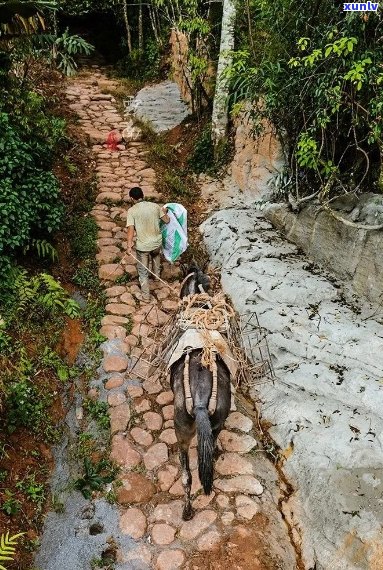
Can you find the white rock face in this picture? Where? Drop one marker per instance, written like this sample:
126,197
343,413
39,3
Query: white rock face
161,106
326,404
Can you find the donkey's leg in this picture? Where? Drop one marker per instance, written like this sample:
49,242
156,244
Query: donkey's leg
187,513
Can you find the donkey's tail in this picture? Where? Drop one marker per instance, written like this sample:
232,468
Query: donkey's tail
205,448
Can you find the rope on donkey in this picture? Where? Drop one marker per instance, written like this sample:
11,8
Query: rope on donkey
195,314
189,403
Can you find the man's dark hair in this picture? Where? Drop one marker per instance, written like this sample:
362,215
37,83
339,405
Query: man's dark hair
136,193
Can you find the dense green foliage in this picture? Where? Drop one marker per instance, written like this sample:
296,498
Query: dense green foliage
316,75
29,192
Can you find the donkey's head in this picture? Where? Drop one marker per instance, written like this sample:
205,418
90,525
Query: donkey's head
195,281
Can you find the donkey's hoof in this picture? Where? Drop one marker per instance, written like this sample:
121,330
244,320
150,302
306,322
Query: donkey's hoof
187,513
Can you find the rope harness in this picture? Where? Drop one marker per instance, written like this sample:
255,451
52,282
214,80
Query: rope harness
204,313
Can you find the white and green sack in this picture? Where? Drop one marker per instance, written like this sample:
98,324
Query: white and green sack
174,234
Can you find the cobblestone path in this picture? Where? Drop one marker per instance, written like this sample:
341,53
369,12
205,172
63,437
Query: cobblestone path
239,524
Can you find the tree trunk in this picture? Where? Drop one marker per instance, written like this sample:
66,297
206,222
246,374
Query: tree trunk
154,24
219,117
127,27
140,28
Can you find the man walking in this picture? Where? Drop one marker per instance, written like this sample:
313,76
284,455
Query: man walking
144,218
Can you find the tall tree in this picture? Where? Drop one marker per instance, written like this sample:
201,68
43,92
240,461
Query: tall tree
220,108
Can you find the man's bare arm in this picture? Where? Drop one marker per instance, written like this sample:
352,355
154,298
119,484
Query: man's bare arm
130,235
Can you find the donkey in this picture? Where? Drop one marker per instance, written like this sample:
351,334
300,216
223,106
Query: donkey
201,382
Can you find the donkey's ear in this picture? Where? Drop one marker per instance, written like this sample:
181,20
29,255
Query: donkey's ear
184,269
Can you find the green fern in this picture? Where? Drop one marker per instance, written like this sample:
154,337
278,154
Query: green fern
43,247
43,291
8,547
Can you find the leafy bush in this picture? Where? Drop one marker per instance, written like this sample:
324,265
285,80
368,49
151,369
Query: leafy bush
202,156
86,276
83,236
142,65
317,78
26,406
30,204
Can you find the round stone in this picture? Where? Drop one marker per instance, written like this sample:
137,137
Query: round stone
142,406
233,464
227,518
165,398
123,453
236,420
135,488
246,508
141,436
133,523
116,399
209,541
168,412
202,520
235,442
153,421
240,484
168,436
167,476
222,501
170,560
114,382
156,456
163,534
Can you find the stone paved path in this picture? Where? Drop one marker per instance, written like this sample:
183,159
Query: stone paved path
241,515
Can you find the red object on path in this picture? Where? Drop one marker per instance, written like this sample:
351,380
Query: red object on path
112,141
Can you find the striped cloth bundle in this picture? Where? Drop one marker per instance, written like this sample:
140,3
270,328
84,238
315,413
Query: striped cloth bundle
174,234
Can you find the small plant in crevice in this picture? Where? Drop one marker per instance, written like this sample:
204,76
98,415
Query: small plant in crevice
96,476
10,505
32,489
98,411
123,279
